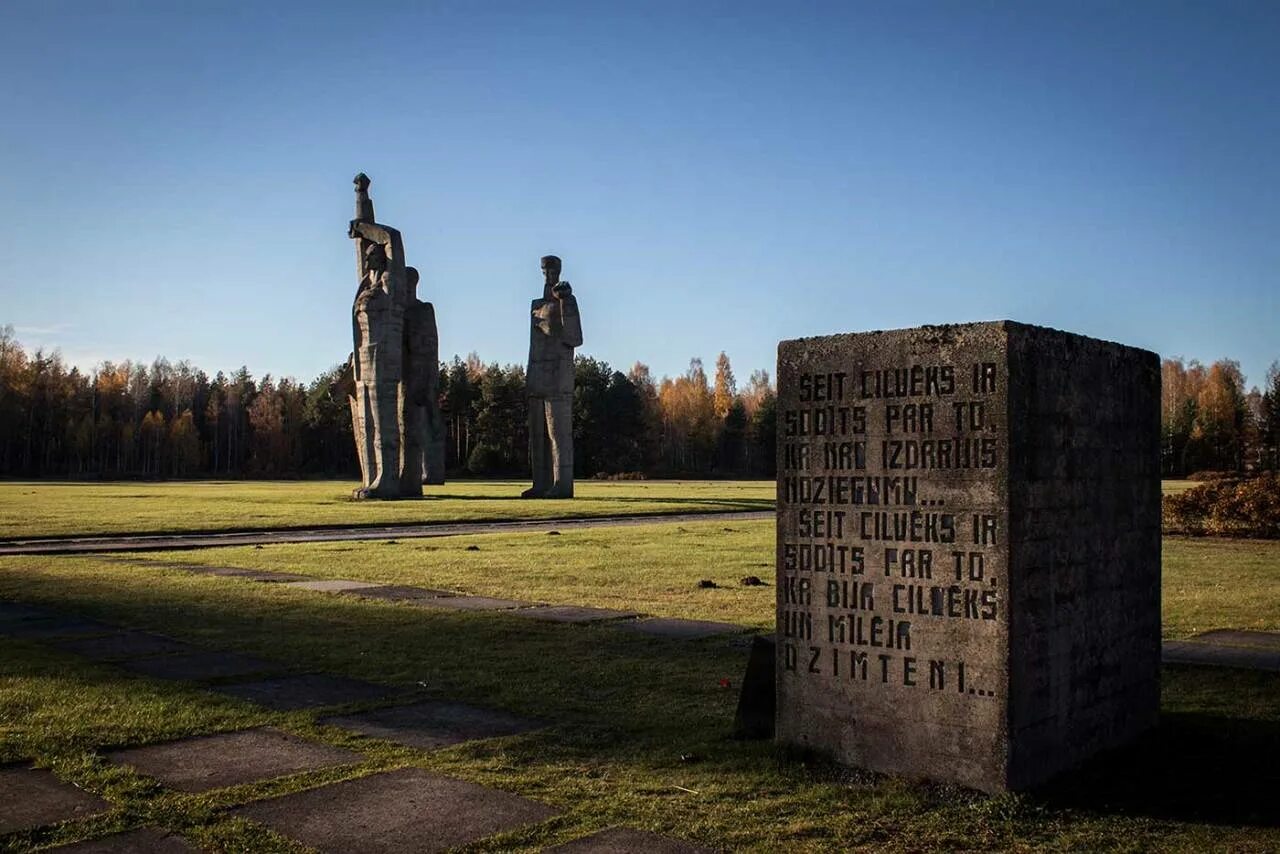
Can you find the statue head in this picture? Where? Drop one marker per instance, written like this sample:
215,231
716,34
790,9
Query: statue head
362,182
375,258
551,269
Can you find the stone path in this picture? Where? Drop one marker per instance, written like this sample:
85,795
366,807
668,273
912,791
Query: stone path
405,810
31,797
146,840
433,723
230,759
1227,648
408,809
167,542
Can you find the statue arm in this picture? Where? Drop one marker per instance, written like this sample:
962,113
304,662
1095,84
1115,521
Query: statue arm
570,322
371,231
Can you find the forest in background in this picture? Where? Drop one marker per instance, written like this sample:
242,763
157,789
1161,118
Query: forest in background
171,419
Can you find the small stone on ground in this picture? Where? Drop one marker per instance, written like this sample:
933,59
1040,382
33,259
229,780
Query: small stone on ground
199,666
34,797
433,724
331,585
470,603
573,614
405,810
625,840
146,840
675,629
230,759
124,645
288,693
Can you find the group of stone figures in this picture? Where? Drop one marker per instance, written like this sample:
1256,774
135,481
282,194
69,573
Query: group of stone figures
394,372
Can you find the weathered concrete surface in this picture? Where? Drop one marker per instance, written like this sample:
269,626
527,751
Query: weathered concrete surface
394,366
1265,641
230,759
330,585
196,540
968,549
145,840
33,797
123,645
1220,655
435,723
625,840
573,614
400,593
555,330
469,603
288,693
406,810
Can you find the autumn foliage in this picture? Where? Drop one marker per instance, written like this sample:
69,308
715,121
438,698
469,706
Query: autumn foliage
1238,507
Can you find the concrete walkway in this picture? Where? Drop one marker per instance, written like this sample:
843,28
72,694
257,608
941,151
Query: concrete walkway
212,539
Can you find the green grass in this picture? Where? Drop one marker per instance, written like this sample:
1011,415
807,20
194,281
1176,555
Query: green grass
1212,583
51,509
638,726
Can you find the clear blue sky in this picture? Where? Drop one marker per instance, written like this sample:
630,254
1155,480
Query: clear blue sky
715,175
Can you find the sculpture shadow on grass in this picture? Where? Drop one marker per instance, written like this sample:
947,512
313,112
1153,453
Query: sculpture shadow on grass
1192,767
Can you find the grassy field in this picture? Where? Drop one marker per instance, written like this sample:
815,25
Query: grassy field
51,509
58,509
639,725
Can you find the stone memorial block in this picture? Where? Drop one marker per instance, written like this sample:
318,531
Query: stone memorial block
968,555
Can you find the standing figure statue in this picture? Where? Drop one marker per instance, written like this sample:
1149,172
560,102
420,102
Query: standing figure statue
555,330
395,365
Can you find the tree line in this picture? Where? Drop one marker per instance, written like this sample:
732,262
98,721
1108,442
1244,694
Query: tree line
166,419
171,419
1209,422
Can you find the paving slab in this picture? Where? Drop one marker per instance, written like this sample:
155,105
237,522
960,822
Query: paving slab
15,612
1213,655
470,603
573,614
435,723
33,797
194,540
1269,641
331,585
122,645
399,592
261,575
199,666
626,840
673,629
230,759
405,810
287,693
57,627
145,840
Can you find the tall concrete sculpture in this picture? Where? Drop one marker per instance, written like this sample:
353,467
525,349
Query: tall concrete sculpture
555,329
395,413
